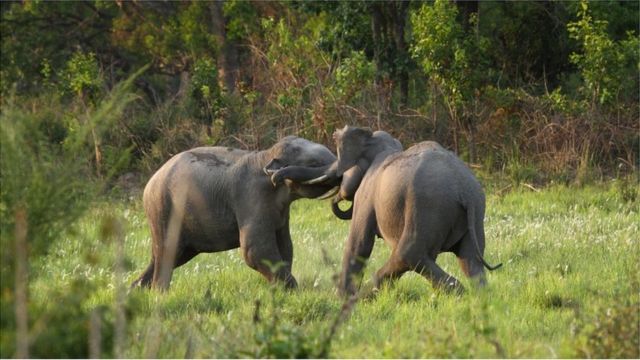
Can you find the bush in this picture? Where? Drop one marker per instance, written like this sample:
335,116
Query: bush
613,333
61,329
605,64
51,183
354,76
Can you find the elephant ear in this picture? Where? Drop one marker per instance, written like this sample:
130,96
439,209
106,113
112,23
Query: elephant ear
363,133
351,143
351,132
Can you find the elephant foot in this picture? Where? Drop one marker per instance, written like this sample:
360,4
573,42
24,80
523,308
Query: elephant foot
347,291
479,281
291,283
144,281
452,286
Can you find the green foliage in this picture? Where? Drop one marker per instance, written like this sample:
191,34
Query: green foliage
81,75
310,67
450,58
561,248
521,55
275,339
560,102
347,27
628,188
205,91
291,52
36,33
612,333
354,75
604,63
521,172
62,327
169,42
42,179
45,178
50,181
307,68
438,46
242,17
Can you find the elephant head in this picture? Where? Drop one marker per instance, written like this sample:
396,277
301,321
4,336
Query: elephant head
293,160
357,148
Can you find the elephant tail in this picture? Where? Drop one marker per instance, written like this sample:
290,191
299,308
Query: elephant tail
472,225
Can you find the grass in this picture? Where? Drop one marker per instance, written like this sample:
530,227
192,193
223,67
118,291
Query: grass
570,263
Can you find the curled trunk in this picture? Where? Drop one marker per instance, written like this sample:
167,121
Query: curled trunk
302,174
339,213
325,175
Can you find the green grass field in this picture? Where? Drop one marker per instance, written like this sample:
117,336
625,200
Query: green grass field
568,288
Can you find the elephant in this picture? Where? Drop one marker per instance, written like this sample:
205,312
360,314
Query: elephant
349,179
211,199
422,201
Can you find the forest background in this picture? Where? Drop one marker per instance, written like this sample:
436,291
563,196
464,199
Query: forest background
97,95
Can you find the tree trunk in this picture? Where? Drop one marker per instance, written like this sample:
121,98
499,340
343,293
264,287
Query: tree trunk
376,31
378,48
399,13
465,9
183,87
472,141
21,284
228,53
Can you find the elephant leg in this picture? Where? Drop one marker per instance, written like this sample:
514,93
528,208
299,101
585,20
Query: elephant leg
357,251
285,246
419,247
163,267
438,277
261,253
469,261
145,279
392,270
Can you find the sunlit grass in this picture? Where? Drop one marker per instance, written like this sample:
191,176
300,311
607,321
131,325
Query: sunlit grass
568,253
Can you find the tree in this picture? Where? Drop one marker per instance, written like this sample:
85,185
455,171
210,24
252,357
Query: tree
388,23
454,62
603,62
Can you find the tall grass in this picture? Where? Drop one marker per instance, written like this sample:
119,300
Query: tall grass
569,288
47,184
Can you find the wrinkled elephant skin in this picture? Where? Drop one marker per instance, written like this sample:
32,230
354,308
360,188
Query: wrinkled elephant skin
211,199
422,201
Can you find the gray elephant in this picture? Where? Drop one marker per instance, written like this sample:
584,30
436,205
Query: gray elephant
422,202
212,199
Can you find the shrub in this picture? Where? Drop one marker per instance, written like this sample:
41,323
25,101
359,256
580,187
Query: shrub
603,63
354,76
50,183
204,93
61,329
613,333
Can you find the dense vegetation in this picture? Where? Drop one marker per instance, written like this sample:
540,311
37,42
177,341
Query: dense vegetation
569,288
550,86
96,95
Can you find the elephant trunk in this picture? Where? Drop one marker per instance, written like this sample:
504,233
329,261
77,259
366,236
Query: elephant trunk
339,213
304,174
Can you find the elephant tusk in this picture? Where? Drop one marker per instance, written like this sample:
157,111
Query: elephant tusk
273,181
316,180
268,172
329,193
